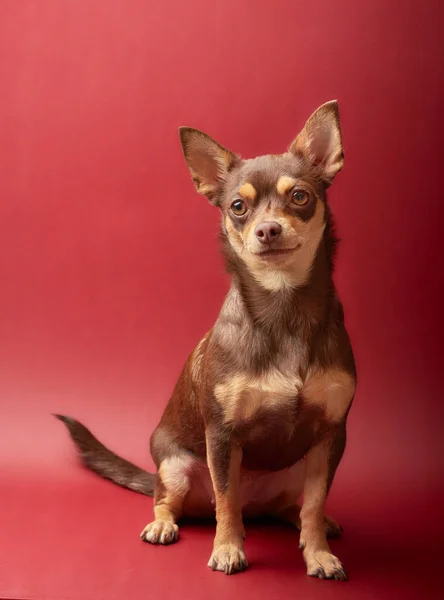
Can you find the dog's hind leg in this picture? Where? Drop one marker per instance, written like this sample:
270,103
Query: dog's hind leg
288,510
172,487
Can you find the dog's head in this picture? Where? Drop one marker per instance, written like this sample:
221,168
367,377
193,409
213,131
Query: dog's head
273,207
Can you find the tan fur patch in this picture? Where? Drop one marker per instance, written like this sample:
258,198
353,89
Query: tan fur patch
162,513
242,395
197,359
295,270
234,236
247,191
285,184
228,504
205,188
331,390
175,475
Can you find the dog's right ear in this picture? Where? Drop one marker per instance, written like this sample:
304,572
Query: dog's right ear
208,161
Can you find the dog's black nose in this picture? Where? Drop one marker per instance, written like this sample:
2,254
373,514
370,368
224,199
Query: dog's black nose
268,231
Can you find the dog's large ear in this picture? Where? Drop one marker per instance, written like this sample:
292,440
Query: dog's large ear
208,161
320,141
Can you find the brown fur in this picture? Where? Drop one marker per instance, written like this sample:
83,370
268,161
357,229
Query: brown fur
259,413
105,463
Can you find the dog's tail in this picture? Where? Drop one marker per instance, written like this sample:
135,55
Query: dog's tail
105,463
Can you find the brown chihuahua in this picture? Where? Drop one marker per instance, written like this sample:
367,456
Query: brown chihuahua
258,415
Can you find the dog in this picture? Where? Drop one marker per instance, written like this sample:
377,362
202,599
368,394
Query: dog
258,416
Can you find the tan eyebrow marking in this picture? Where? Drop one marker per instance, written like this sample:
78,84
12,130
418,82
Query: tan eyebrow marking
247,191
285,184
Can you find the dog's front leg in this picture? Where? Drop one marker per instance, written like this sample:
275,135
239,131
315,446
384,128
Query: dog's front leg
224,461
321,463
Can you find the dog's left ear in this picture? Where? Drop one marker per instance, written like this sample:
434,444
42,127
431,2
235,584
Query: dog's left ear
208,161
320,141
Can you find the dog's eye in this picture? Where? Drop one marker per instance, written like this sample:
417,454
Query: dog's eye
239,208
300,198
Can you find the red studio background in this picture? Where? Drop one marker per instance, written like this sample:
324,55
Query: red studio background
110,273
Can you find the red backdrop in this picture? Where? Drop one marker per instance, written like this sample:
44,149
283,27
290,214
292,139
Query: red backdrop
110,272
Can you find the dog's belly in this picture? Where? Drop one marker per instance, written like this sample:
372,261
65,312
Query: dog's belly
258,489
277,447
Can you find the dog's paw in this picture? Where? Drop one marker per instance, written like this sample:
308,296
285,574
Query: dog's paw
332,529
324,565
228,558
160,532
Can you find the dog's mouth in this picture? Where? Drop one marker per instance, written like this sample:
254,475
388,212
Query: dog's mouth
276,253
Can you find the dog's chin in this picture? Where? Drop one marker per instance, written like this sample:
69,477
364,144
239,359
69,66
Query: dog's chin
276,255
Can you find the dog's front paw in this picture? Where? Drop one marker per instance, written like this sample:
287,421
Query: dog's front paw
160,532
324,565
228,558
